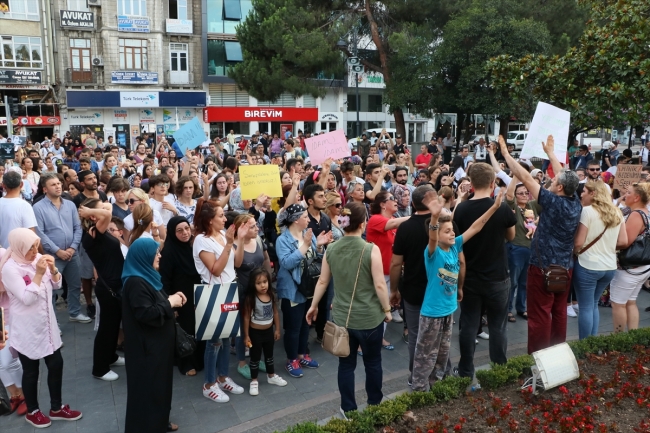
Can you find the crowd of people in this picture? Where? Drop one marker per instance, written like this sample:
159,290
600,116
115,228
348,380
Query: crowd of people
374,238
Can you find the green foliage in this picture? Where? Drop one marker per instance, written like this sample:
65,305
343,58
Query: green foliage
604,81
307,427
620,342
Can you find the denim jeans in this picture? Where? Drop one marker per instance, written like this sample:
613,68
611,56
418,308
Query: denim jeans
296,329
494,298
518,258
216,359
370,342
589,286
71,271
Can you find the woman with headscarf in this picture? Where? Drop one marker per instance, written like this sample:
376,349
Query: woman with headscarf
149,335
402,195
29,278
178,272
295,244
105,252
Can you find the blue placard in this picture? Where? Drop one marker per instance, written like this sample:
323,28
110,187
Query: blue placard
134,77
190,135
126,23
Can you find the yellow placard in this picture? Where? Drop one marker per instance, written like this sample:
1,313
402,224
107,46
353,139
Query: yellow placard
259,179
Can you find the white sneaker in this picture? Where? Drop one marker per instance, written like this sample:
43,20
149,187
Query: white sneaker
230,386
396,316
120,362
81,318
254,388
484,335
276,380
575,307
215,394
475,341
570,311
108,377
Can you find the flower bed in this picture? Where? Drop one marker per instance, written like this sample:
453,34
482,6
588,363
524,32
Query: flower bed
620,407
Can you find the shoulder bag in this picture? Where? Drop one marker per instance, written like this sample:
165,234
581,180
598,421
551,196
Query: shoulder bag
638,253
311,269
336,339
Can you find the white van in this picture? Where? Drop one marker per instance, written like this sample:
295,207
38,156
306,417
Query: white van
517,138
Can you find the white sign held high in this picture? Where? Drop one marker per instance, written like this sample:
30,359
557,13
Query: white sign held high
548,120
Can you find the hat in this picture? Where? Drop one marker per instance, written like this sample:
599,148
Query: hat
607,144
291,214
535,172
398,135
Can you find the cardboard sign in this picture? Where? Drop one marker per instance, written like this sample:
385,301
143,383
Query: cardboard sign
548,120
257,179
331,145
626,175
190,135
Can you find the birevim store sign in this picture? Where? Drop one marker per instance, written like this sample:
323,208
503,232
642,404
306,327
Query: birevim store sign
273,114
77,19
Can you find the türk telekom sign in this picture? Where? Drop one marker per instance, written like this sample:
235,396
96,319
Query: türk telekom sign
270,114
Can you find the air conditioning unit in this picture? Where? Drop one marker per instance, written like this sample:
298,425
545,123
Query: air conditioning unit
94,3
98,61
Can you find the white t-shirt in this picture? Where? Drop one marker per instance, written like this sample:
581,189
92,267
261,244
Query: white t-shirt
158,206
601,256
14,213
204,243
128,221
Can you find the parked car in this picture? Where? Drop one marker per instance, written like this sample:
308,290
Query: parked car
517,138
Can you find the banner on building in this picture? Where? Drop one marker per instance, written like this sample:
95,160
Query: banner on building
126,23
20,77
129,77
84,20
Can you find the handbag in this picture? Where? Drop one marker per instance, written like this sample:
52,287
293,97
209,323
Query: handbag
638,253
556,278
336,339
185,343
216,310
311,269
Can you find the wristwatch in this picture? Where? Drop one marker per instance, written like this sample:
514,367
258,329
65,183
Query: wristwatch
387,310
56,272
433,228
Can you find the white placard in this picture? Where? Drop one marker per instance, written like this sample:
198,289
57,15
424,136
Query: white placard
548,120
109,131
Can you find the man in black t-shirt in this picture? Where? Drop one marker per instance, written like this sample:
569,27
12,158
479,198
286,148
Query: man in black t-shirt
410,242
487,284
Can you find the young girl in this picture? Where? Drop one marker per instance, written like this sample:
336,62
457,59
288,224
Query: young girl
442,261
260,312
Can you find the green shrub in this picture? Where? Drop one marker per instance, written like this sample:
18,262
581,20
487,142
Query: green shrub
306,427
449,388
387,412
620,342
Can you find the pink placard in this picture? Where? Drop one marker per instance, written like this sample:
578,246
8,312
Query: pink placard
331,145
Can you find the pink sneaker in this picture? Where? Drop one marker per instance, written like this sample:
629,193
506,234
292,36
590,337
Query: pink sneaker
65,414
38,419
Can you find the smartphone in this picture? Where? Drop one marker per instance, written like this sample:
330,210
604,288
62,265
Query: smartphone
391,167
2,324
122,158
113,170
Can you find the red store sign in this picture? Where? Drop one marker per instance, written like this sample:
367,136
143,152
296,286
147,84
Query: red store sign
36,121
264,114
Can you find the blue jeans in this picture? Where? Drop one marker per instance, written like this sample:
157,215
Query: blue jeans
71,271
589,286
216,359
370,342
296,329
518,258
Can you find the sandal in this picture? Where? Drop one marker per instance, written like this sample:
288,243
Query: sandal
524,315
511,318
192,372
172,427
388,346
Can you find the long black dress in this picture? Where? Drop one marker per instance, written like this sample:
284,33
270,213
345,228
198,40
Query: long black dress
149,336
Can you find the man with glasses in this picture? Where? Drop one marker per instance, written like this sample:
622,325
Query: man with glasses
593,173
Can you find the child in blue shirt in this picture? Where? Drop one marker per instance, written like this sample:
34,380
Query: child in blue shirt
442,259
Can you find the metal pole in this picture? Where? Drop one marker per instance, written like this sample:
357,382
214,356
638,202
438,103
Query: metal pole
8,117
356,83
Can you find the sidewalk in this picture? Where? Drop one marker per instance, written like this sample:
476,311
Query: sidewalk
313,397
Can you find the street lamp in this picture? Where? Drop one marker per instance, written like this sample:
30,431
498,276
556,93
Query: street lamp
356,66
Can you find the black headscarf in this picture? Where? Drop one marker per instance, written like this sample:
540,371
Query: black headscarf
176,253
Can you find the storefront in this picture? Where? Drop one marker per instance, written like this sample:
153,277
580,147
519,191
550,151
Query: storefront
127,115
246,120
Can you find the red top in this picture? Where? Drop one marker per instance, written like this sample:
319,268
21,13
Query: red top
384,239
423,158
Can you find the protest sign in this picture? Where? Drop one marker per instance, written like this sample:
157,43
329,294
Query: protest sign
548,120
259,179
190,135
7,151
109,131
626,175
331,145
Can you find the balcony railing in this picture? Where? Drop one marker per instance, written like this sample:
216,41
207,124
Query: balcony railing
75,77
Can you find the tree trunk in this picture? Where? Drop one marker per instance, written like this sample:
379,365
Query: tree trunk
399,123
503,126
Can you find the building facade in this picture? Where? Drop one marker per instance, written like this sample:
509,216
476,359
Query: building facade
128,67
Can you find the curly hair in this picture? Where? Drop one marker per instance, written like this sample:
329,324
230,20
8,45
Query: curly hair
602,203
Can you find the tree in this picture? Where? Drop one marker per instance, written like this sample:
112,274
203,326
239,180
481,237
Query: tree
602,82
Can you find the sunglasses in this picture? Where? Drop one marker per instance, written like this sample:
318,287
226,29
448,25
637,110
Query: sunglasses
337,205
133,200
389,198
594,169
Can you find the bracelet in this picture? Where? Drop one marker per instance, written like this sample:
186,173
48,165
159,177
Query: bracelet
54,274
387,310
434,228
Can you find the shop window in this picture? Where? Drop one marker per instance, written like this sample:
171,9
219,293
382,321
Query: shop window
133,54
27,10
132,7
178,9
78,5
21,52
